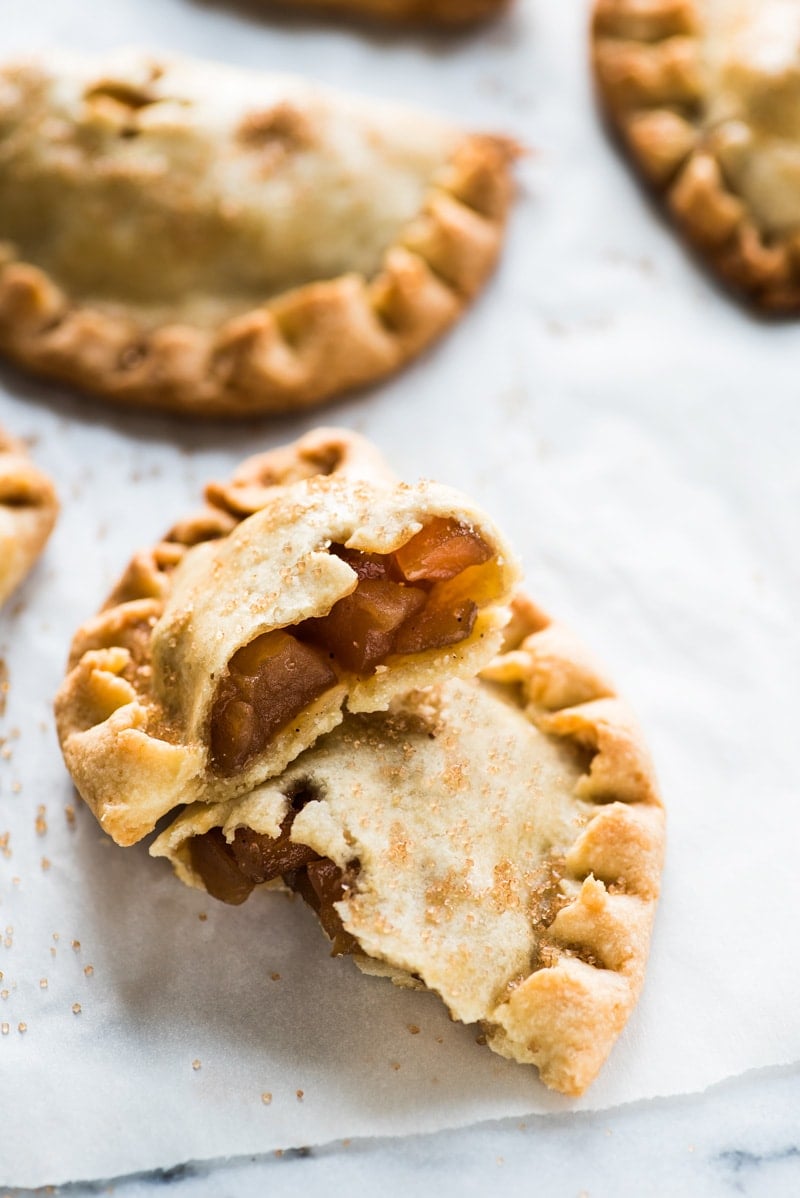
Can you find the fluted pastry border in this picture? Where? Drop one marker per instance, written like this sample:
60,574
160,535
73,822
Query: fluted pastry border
566,1016
299,349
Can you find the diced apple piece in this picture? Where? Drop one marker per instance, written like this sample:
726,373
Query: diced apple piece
437,626
262,858
213,860
365,565
234,731
269,682
443,549
360,629
321,885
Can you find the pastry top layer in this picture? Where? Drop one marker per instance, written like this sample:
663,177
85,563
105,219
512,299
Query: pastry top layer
145,695
706,94
28,510
193,192
187,235
505,840
275,570
450,843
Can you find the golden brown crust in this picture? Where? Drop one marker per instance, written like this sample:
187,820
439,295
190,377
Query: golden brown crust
304,344
566,1016
550,957
133,713
416,12
648,65
28,510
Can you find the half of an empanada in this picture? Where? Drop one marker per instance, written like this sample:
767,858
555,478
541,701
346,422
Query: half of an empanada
706,94
311,582
189,236
28,510
417,12
498,841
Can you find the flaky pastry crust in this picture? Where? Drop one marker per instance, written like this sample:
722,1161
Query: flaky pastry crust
225,243
503,840
135,712
416,12
28,510
703,151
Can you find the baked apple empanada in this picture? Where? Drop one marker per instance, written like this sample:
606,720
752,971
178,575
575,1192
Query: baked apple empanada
28,510
418,12
189,236
706,94
313,581
497,841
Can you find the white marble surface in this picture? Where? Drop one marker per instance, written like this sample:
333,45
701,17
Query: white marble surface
740,1139
607,351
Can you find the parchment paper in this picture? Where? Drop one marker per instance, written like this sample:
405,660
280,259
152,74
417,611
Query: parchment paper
637,435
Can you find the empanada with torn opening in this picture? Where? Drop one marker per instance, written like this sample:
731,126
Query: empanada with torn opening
481,819
312,582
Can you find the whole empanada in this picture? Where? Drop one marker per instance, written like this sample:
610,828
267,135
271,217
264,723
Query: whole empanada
498,841
189,236
706,94
311,582
417,12
28,510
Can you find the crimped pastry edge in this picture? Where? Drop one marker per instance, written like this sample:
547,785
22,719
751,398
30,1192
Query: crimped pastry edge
647,68
566,1016
28,501
299,349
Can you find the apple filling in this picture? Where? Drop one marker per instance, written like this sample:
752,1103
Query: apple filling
321,884
230,871
268,683
394,609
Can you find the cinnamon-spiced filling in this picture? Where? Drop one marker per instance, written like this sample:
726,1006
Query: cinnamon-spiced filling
268,683
321,884
230,871
396,608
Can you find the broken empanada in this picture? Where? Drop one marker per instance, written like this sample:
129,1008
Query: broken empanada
498,841
311,582
189,236
706,94
28,510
